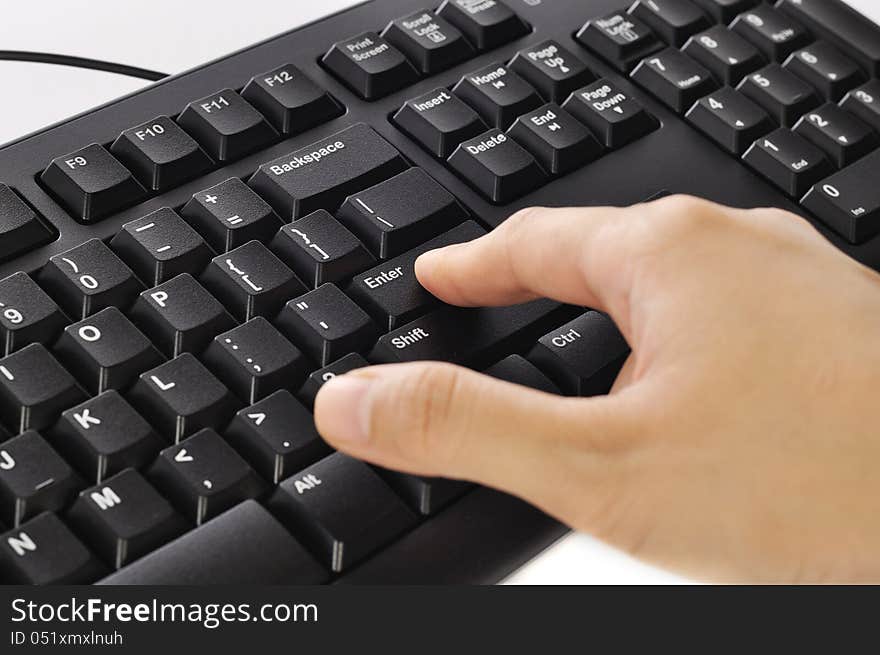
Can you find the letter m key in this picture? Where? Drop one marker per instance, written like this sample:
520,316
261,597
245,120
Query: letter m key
106,498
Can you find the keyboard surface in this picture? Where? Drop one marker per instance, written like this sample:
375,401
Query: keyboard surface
181,269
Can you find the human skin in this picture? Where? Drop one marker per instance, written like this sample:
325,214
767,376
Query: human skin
739,442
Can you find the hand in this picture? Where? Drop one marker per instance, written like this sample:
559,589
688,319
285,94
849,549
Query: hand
740,440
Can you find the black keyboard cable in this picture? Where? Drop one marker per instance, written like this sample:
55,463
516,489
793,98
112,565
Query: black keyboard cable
80,62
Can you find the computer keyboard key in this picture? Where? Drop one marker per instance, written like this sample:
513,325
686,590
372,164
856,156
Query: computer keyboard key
497,166
468,336
864,103
497,94
320,249
230,214
825,69
33,479
327,324
277,435
180,316
518,370
254,360
772,32
104,435
106,351
20,227
789,161
323,174
782,95
583,356
390,291
621,38
124,518
341,509
850,31
552,69
485,24
842,136
251,281
400,213
318,378
160,246
290,99
673,20
369,65
203,476
611,113
91,183
849,200
44,551
226,125
428,41
439,121
244,545
35,389
724,11
559,142
180,397
27,314
675,78
425,495
727,55
88,278
160,154
730,119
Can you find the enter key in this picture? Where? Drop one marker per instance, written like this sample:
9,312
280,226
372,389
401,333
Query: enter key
390,291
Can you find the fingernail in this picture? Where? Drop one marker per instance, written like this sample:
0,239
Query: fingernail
342,408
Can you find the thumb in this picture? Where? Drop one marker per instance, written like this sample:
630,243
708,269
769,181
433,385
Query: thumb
432,418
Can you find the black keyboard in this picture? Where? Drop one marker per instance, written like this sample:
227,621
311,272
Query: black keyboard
183,268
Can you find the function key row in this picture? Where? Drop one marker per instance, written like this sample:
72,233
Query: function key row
507,129
795,109
421,43
162,153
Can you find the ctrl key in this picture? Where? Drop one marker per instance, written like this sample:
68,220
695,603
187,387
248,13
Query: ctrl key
44,551
341,509
497,166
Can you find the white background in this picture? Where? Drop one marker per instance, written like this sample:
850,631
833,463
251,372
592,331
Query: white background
172,36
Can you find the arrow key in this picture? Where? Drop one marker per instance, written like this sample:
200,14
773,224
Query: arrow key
104,435
204,476
278,436
842,136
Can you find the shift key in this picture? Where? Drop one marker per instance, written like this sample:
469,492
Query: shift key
469,336
323,174
390,291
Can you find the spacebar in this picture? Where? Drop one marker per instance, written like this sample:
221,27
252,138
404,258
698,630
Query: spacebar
244,545
469,336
